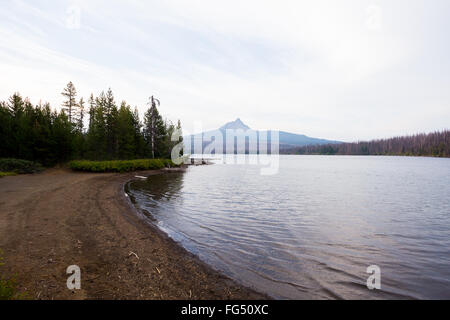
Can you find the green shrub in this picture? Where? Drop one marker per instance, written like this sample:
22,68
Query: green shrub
6,174
8,289
19,166
120,165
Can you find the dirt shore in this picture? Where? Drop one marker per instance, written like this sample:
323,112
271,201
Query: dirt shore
58,218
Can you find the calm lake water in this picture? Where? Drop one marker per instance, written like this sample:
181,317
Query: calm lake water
311,230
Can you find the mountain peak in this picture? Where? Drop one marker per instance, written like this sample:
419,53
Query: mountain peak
235,125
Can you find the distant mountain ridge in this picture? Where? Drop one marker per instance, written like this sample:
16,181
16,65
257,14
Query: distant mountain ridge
241,132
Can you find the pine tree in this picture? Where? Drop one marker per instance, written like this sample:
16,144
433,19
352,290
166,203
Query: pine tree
70,104
91,110
42,142
79,144
154,128
62,136
5,130
167,144
180,135
18,126
139,141
80,120
96,136
125,130
111,125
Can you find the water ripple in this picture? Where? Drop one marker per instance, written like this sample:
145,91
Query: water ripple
311,230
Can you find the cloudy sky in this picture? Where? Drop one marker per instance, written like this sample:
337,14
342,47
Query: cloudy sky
346,70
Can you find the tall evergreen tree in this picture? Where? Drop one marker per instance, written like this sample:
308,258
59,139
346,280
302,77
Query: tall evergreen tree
111,125
125,131
42,137
139,141
80,120
167,144
91,110
70,105
79,145
96,136
6,133
154,128
18,126
62,136
180,134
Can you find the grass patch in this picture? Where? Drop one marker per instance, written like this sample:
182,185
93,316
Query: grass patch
7,174
19,166
120,165
8,287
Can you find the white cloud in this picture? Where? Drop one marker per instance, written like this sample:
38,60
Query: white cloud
338,70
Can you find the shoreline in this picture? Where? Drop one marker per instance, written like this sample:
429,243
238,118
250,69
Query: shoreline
58,218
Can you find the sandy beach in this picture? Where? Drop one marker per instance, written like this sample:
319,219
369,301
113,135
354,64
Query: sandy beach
58,218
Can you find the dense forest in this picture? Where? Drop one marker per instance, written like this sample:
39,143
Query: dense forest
435,144
100,130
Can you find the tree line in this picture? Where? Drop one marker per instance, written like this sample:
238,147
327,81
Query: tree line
102,130
436,144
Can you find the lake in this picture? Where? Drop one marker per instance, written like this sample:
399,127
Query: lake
311,230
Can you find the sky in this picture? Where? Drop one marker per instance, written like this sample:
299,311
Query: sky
344,70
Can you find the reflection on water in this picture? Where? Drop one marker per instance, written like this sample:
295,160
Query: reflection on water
311,230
